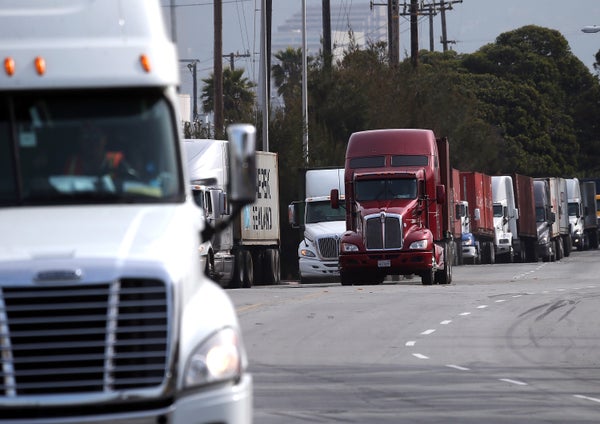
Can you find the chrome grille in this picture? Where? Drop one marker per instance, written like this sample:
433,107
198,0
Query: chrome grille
84,338
329,247
383,231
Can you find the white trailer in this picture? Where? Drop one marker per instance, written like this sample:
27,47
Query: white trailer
106,315
247,252
322,225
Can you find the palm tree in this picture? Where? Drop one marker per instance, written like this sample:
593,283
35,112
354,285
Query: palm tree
287,75
238,96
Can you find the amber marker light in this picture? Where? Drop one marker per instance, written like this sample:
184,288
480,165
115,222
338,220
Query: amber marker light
9,66
145,61
40,65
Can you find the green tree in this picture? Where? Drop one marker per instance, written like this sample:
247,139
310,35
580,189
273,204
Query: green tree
238,96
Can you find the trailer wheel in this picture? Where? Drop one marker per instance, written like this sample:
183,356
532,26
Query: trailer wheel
248,270
272,266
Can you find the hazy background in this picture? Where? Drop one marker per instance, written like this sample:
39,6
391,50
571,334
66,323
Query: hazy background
472,24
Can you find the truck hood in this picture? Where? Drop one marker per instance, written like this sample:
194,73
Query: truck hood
43,237
320,229
398,206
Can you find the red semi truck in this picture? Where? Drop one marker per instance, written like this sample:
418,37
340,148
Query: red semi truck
398,217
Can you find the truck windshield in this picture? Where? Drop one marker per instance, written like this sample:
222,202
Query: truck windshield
88,147
573,209
498,211
540,214
386,189
322,211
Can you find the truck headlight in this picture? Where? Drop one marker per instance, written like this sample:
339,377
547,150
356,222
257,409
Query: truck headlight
419,244
219,358
349,247
307,253
544,237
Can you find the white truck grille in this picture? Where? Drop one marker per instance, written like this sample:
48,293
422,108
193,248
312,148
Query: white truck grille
83,338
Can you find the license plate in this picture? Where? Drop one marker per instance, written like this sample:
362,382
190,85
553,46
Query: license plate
384,263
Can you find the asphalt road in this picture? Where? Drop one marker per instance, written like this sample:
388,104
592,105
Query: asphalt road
504,343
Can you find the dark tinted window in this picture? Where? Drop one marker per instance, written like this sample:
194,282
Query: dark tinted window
368,162
410,160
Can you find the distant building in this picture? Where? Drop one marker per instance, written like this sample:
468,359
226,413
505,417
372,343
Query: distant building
365,23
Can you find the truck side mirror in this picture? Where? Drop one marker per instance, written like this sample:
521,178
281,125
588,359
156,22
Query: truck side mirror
516,213
242,157
334,198
294,214
440,194
552,217
477,214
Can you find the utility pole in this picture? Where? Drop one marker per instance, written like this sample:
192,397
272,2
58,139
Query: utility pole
173,19
192,66
218,68
232,57
327,55
393,29
414,33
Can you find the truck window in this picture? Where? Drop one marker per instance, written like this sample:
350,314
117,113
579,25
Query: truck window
322,211
409,160
498,211
82,147
367,162
386,189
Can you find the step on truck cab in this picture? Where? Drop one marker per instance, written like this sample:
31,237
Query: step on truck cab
105,313
397,211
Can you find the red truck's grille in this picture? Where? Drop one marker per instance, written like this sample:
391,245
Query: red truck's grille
84,338
383,232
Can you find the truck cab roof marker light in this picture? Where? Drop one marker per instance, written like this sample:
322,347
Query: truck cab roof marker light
9,66
145,62
40,65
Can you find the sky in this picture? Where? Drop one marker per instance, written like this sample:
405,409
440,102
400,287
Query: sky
472,24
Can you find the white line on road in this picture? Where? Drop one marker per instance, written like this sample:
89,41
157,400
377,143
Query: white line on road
446,322
482,306
517,295
410,343
458,367
517,382
420,356
465,314
587,398
500,300
428,332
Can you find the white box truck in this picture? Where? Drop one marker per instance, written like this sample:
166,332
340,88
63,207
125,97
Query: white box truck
321,224
105,313
506,216
248,251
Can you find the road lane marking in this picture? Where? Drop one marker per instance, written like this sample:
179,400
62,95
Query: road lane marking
428,332
446,322
500,300
410,343
420,356
464,314
458,367
249,307
587,398
517,382
517,295
482,306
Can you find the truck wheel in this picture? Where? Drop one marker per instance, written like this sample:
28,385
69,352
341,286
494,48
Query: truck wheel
272,266
248,270
568,245
445,276
492,254
348,278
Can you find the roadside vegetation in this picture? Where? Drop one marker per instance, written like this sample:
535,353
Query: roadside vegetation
522,104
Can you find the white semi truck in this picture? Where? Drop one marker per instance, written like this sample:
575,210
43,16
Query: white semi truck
321,224
248,251
506,216
105,313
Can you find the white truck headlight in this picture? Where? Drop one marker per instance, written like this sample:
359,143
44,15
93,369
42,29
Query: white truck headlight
307,253
219,358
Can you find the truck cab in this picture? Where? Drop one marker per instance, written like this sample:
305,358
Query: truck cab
107,315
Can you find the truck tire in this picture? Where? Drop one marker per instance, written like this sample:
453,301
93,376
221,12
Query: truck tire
428,277
350,278
444,276
237,279
568,245
272,266
248,270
